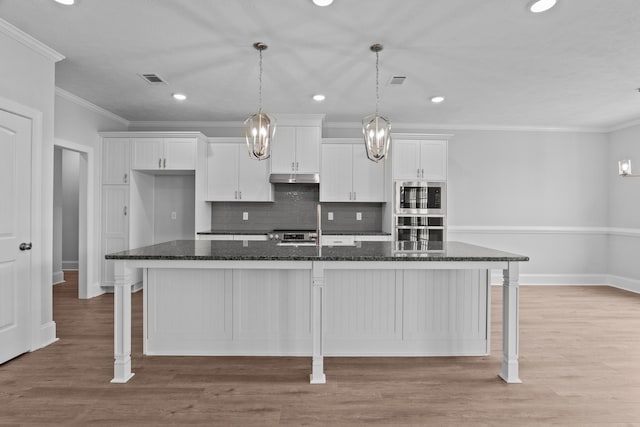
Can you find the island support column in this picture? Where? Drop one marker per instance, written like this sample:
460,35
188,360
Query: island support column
510,324
317,323
122,325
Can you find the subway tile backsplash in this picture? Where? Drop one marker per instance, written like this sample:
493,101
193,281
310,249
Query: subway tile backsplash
294,207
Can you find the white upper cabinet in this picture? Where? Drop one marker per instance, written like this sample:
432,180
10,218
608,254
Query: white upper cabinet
115,161
417,159
347,175
234,176
163,153
296,149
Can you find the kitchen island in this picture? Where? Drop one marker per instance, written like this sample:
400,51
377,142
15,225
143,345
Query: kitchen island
261,298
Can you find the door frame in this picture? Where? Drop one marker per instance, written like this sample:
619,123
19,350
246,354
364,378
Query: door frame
86,221
41,334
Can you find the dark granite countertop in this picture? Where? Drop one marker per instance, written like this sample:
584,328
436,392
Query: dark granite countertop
326,233
269,250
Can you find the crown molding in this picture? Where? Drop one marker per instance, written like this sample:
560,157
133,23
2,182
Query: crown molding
185,124
90,106
400,127
27,40
624,125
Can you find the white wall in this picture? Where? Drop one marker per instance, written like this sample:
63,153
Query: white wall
624,209
58,275
174,194
70,193
78,123
27,78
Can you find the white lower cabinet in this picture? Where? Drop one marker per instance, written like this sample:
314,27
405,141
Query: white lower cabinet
243,237
234,176
347,175
267,312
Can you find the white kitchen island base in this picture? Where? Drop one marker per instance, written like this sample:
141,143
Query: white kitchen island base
316,308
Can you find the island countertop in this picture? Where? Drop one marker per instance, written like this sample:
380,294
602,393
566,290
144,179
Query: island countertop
271,251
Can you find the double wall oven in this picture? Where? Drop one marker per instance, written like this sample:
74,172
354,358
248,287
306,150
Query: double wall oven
420,215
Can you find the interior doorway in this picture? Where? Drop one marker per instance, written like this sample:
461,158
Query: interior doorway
73,195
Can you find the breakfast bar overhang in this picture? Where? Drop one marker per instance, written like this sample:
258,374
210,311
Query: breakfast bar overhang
174,269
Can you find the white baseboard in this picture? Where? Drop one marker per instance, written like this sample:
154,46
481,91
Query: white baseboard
58,277
135,288
95,290
70,265
47,334
632,285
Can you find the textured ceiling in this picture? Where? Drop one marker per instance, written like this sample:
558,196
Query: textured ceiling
497,64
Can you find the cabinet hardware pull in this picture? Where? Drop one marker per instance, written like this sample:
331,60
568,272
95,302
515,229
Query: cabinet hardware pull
293,167
297,169
235,195
354,195
165,163
423,173
125,211
159,163
125,178
25,246
240,195
418,172
349,195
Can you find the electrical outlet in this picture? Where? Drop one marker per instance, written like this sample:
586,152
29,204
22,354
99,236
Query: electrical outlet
330,216
358,216
245,216
173,215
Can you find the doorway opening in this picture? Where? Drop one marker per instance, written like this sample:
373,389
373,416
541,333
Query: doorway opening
72,223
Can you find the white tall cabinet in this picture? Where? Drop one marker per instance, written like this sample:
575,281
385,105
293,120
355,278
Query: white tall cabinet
347,175
130,163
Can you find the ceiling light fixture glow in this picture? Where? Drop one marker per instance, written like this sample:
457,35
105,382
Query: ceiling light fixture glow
179,96
437,99
538,6
322,3
66,2
319,97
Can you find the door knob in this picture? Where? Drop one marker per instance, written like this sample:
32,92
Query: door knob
25,246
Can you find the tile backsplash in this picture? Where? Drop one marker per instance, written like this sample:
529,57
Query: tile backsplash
294,207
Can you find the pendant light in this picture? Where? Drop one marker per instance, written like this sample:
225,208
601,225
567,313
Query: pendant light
259,128
376,129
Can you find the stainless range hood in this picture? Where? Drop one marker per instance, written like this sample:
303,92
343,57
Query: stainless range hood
294,178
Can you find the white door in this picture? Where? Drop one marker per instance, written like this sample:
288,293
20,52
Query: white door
336,173
115,161
283,150
368,177
222,172
406,160
147,153
253,178
433,157
308,149
180,153
15,216
115,226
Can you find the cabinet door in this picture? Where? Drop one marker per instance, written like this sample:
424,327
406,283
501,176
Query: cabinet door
335,176
406,159
433,159
368,177
222,172
115,160
253,178
115,226
180,153
147,153
283,150
307,149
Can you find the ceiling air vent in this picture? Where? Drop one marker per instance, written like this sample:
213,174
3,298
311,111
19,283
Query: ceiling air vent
397,80
153,79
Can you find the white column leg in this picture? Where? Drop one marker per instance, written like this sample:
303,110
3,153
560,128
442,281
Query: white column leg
510,324
317,328
122,326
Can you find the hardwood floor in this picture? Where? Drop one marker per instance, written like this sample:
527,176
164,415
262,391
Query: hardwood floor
579,354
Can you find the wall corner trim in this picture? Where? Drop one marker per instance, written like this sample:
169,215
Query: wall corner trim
29,41
47,335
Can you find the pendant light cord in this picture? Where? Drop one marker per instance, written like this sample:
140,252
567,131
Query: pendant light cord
377,90
260,90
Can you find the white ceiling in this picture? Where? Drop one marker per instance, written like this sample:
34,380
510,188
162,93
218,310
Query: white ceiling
577,65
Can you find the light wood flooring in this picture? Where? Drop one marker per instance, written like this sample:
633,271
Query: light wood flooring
580,363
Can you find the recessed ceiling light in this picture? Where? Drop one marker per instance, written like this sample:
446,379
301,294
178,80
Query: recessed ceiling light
437,99
179,96
66,2
319,97
538,6
322,2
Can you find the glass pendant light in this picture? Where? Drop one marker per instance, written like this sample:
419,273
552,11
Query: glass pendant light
259,128
376,129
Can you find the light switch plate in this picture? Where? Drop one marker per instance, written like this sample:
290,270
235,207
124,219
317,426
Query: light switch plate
330,216
173,215
245,216
358,216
